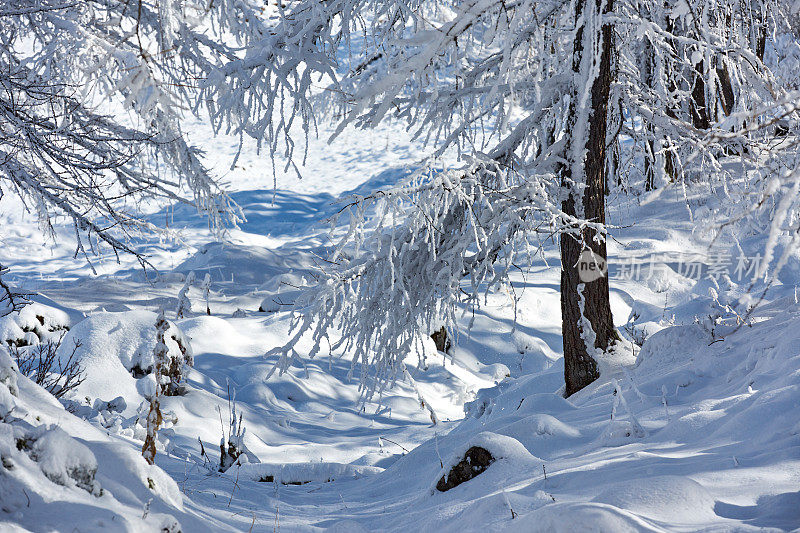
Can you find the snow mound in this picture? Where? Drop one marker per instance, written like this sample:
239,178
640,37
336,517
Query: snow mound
515,394
573,516
672,499
510,457
543,424
237,263
116,353
497,371
282,290
505,505
8,374
62,459
669,354
536,354
215,335
35,323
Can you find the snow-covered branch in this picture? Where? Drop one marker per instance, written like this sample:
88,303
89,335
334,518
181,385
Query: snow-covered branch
694,85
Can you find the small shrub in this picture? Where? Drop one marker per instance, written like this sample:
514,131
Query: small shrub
154,417
637,335
184,304
61,458
175,367
207,292
42,365
232,446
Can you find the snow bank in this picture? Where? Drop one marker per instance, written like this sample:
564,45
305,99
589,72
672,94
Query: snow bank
237,263
301,473
574,516
673,500
718,425
60,473
63,460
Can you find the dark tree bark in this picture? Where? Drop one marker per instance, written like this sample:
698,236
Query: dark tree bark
727,98
670,159
726,94
650,166
761,42
648,68
580,369
760,31
698,106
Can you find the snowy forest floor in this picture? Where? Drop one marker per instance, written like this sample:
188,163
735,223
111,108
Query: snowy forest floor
698,429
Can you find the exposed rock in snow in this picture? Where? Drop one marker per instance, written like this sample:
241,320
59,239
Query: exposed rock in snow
475,461
496,454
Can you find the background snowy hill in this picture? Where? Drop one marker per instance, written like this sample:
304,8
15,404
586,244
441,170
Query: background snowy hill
692,431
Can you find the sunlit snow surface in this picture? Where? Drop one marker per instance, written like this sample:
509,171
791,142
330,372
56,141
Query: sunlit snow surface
707,437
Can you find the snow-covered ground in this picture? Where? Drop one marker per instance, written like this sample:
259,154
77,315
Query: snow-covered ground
696,430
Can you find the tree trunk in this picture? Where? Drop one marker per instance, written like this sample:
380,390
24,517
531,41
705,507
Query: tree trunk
725,87
699,109
580,369
727,98
761,43
760,37
650,160
670,157
650,165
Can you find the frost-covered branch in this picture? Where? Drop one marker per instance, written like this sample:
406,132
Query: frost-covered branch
505,86
11,300
435,244
66,70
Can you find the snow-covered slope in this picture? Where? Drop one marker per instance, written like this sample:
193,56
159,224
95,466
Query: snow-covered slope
698,429
61,472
